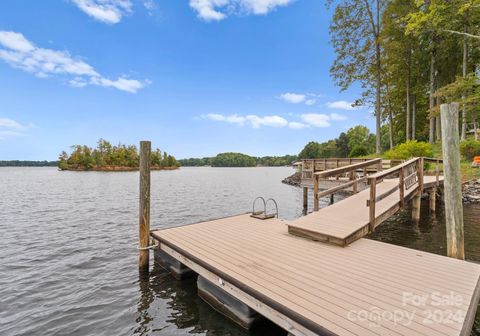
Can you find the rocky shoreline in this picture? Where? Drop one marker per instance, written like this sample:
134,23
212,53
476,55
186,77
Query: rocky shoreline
471,192
293,180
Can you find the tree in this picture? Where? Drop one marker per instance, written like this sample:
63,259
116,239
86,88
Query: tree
355,33
310,151
342,145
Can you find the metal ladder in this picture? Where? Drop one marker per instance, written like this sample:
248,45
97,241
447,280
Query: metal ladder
263,214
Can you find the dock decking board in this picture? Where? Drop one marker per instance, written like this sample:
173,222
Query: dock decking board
311,286
348,220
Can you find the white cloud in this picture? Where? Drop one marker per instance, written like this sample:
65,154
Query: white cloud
273,121
341,105
254,120
149,4
12,128
20,53
307,120
337,117
297,125
215,10
293,98
299,98
316,119
107,11
233,118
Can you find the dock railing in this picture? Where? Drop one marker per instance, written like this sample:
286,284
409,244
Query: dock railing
350,170
409,173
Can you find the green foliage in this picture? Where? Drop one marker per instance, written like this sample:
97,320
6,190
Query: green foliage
84,157
469,149
358,138
268,161
24,163
233,160
409,150
358,151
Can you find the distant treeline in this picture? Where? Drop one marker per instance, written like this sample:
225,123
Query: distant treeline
24,163
239,160
108,157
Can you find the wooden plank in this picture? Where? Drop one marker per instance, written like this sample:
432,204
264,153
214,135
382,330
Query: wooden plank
366,273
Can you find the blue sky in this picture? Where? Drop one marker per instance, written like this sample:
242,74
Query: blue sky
196,77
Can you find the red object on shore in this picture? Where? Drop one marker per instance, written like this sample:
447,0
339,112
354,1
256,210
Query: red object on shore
476,161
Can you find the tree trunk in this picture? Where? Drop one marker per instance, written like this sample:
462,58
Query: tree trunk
378,116
464,74
431,133
390,126
438,127
414,112
407,122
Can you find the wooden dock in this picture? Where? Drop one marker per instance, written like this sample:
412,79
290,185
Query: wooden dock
311,288
296,275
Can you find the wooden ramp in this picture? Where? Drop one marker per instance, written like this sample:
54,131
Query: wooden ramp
311,288
359,214
348,220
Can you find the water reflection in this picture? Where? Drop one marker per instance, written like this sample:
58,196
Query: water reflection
168,306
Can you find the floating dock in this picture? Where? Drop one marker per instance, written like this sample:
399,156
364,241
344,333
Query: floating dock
316,275
312,288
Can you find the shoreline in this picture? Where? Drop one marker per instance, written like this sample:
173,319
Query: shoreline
114,168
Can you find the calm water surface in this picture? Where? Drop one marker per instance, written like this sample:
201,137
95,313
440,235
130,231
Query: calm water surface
68,247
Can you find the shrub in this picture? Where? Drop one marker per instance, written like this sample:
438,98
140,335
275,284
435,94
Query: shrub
469,149
409,150
358,150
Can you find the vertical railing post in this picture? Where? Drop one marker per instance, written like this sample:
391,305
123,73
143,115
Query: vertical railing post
437,173
373,195
144,213
420,174
316,201
452,182
401,186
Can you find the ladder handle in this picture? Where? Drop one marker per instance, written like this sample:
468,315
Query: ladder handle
264,205
276,206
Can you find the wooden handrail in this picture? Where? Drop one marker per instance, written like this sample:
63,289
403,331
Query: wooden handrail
390,171
346,169
336,172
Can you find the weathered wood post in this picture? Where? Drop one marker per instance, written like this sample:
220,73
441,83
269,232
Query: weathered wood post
305,200
144,214
373,195
452,182
417,199
433,199
316,201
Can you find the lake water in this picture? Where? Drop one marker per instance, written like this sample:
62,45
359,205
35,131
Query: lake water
68,247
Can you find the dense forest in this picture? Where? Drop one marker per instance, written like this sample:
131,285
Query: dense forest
239,160
24,163
409,56
108,157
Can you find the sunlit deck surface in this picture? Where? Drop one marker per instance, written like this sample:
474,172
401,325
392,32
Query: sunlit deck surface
348,220
313,288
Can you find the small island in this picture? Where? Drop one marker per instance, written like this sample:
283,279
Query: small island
106,157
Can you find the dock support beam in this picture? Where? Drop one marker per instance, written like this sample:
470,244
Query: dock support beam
305,200
416,204
144,213
433,199
316,201
452,182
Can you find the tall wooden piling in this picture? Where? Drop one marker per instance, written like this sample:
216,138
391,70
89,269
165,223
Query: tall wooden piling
144,214
305,200
452,182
